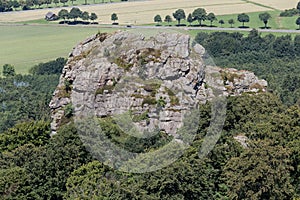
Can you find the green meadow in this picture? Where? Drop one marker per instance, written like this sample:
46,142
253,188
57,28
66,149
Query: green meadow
275,22
25,46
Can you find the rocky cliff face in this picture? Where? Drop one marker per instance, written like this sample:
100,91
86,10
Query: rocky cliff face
151,80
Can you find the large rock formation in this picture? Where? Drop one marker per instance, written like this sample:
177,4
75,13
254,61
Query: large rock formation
151,80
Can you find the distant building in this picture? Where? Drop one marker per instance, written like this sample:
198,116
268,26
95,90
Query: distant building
50,16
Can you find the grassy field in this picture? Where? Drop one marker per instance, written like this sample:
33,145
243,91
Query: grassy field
25,46
276,22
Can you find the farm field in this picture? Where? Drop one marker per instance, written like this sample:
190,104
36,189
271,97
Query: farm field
276,22
142,12
26,46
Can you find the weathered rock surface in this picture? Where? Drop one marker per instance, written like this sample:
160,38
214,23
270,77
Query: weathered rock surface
154,81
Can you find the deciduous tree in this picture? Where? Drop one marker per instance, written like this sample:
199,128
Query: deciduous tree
8,70
75,13
200,15
85,16
298,22
63,14
179,15
262,172
168,19
231,22
157,19
211,17
190,19
243,18
93,17
114,17
265,18
221,22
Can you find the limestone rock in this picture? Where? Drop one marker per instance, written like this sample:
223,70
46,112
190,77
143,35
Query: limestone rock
157,80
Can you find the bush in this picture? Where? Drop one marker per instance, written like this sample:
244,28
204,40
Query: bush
290,12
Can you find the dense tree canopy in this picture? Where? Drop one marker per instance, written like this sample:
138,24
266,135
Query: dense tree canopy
8,70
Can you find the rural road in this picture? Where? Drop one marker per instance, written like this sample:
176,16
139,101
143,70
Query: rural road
215,29
287,31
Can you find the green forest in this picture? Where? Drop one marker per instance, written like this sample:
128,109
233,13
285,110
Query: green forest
34,165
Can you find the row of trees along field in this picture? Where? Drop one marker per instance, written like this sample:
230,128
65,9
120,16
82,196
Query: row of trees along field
200,15
34,165
76,13
12,5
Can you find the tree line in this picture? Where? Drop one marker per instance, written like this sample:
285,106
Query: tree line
200,15
74,14
11,5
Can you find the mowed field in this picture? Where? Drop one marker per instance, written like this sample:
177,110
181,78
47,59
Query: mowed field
25,46
142,12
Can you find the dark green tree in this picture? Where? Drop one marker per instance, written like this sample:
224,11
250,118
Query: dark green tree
265,18
168,19
243,18
114,17
298,22
297,44
261,172
179,15
63,14
37,133
157,19
298,6
199,14
93,17
211,17
12,181
75,13
221,21
85,16
8,70
190,19
231,22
